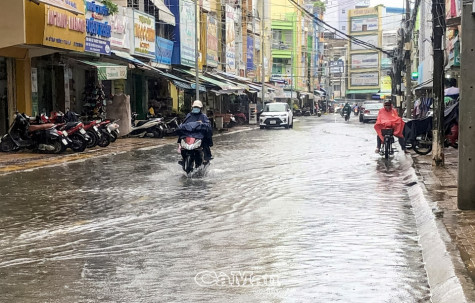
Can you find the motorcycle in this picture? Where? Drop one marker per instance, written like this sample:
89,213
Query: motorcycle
240,118
41,137
387,144
346,114
170,127
75,130
146,128
418,133
191,153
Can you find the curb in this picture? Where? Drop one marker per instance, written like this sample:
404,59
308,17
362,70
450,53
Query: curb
442,260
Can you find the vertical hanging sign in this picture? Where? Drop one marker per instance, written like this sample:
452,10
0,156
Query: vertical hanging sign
144,34
230,40
98,29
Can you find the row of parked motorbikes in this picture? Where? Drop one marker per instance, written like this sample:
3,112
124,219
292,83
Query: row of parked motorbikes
58,132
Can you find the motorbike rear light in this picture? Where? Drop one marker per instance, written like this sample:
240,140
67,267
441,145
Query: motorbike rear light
60,133
189,140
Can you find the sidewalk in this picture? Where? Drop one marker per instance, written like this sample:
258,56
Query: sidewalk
440,186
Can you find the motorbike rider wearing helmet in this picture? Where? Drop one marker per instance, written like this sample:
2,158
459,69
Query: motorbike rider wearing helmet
389,118
346,110
205,129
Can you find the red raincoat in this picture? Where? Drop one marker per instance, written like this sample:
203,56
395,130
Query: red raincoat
389,119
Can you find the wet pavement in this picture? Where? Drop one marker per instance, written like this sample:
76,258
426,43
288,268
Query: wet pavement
303,215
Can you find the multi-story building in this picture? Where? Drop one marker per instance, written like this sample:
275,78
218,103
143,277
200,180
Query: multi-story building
336,14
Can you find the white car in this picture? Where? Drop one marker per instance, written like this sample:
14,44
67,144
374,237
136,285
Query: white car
276,114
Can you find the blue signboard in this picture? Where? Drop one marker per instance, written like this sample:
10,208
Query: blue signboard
163,50
250,54
98,29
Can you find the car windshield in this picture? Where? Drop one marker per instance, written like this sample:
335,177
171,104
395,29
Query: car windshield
275,107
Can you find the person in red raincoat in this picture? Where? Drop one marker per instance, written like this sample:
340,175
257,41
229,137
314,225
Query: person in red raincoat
388,118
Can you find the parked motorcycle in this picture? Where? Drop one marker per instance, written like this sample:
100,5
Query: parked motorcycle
170,127
146,128
41,137
418,133
75,130
240,118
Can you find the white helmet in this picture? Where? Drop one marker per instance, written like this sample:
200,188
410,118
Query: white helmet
197,103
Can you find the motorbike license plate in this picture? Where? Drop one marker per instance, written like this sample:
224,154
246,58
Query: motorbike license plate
109,130
95,128
64,141
82,131
272,122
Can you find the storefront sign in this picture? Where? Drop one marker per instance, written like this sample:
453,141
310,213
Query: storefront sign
212,42
112,72
144,34
64,29
98,29
119,34
371,39
230,40
250,54
187,33
365,24
367,60
385,84
337,67
163,51
364,79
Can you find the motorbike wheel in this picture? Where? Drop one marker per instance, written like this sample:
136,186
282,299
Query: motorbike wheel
94,138
7,145
387,146
157,133
104,141
58,147
424,145
79,143
347,117
115,135
188,164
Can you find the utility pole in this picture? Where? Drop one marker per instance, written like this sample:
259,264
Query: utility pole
438,28
197,79
263,74
466,167
407,48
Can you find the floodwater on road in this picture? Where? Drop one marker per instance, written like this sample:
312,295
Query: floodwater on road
309,214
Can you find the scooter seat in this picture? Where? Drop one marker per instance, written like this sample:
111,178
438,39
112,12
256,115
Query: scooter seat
37,127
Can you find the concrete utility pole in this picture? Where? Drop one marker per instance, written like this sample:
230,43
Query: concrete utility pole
407,49
438,28
466,178
197,54
263,73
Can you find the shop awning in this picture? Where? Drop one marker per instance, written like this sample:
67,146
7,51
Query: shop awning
130,59
164,14
107,71
63,5
241,85
362,91
187,86
222,85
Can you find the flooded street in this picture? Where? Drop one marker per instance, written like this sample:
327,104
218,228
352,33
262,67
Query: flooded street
309,214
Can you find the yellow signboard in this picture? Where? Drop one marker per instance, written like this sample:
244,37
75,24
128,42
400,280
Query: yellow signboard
64,29
385,84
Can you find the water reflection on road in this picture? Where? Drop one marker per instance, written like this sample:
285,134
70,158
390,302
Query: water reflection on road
305,215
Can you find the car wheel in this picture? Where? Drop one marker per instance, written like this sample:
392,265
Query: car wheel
292,124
